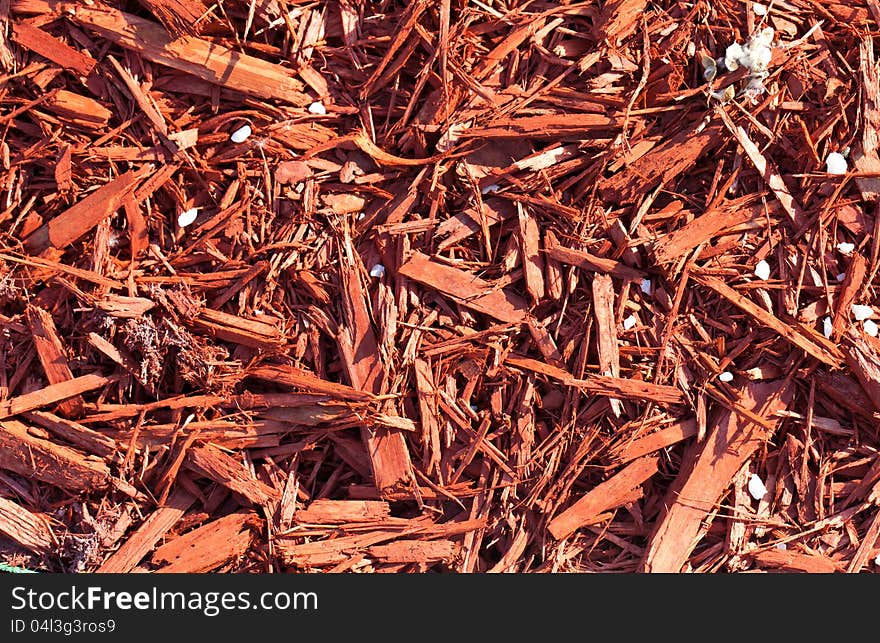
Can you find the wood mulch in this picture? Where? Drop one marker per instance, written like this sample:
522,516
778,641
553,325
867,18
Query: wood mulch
487,286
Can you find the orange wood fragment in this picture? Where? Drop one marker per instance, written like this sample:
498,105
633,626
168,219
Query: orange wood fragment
795,561
76,221
612,493
50,47
42,459
52,394
213,463
145,537
203,59
342,511
28,529
702,483
52,356
825,352
208,547
466,289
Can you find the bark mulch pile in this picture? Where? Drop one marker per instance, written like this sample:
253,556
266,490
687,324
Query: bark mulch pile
485,286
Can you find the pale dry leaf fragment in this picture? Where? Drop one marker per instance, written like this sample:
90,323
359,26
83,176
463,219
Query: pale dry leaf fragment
186,218
630,322
827,327
756,487
762,270
835,163
862,312
241,134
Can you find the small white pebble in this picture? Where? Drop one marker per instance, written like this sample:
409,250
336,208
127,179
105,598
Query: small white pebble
827,327
377,271
877,560
862,312
646,286
490,188
835,163
317,108
841,276
725,377
845,248
186,218
762,270
630,322
759,9
781,546
870,327
756,487
241,134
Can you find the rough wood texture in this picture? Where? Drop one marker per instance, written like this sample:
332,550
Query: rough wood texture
52,356
44,460
208,547
145,537
27,529
701,485
450,287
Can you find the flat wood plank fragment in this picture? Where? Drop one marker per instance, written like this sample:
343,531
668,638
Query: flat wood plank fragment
700,487
612,493
602,385
180,17
676,244
415,551
300,378
666,437
208,547
52,48
341,511
76,221
663,164
466,289
846,297
387,449
28,529
53,393
606,331
52,356
864,154
203,59
145,537
795,561
545,126
586,261
81,436
223,469
533,262
43,460
863,359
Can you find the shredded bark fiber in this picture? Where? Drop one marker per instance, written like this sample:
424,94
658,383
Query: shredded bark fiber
361,286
